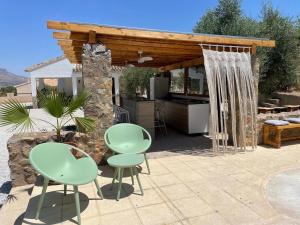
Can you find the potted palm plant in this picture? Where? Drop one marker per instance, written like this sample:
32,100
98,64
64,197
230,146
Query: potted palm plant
57,105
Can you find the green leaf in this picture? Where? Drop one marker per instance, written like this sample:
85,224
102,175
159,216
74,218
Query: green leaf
85,124
53,103
14,113
77,102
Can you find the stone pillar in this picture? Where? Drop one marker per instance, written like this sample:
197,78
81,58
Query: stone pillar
255,64
97,78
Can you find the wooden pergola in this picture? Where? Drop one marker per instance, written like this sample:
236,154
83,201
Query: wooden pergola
169,50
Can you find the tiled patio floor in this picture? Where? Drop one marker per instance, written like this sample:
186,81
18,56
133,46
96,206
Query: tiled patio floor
182,189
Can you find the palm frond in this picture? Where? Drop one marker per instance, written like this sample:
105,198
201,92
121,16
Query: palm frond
53,103
85,124
77,102
14,113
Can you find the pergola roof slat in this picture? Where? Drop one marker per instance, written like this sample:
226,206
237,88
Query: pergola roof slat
166,48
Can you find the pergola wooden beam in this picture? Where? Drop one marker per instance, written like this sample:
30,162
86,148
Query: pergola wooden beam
126,32
168,50
183,64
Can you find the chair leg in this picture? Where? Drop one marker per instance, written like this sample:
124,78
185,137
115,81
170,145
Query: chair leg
120,176
77,203
131,174
98,188
65,189
165,127
41,200
138,179
147,163
114,178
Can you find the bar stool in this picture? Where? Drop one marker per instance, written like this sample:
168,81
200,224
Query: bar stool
159,121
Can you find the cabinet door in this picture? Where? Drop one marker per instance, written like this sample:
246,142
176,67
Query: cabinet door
177,116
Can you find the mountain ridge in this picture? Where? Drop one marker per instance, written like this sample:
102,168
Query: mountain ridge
10,79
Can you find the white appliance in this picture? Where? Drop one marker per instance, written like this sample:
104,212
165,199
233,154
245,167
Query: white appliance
198,118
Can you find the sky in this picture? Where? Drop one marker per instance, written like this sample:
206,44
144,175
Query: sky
25,39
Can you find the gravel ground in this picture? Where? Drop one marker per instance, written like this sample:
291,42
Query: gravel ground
5,134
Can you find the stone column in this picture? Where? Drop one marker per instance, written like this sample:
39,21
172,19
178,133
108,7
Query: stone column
255,64
97,78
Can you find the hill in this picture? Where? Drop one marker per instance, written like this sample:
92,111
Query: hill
10,79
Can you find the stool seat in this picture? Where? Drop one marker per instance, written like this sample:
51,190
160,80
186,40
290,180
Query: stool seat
125,160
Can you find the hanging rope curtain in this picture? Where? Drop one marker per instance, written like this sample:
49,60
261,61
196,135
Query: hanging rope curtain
232,96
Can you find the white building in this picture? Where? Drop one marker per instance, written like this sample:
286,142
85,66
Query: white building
65,76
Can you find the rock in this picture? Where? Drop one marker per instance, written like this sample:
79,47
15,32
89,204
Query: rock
19,146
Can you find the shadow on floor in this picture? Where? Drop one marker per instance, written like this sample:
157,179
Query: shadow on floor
52,208
176,142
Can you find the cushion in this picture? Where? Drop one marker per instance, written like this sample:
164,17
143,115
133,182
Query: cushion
277,122
293,120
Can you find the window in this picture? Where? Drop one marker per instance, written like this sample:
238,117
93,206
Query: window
177,81
196,80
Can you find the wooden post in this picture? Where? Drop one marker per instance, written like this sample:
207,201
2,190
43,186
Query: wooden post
92,37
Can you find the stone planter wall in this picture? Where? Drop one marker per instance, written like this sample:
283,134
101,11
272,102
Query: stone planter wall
19,146
287,98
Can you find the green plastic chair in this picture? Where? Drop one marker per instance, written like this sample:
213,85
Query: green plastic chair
55,161
128,138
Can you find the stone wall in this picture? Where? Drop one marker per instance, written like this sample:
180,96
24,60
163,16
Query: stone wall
97,77
261,118
19,146
288,98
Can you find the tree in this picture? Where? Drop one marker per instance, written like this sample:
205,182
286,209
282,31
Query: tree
278,65
137,77
9,89
226,19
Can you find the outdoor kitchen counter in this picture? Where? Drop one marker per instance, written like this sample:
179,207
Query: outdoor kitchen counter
187,115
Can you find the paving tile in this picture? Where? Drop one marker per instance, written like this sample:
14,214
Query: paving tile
156,214
128,217
187,176
181,190
209,219
237,213
50,215
150,197
191,207
177,191
112,205
164,180
88,209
